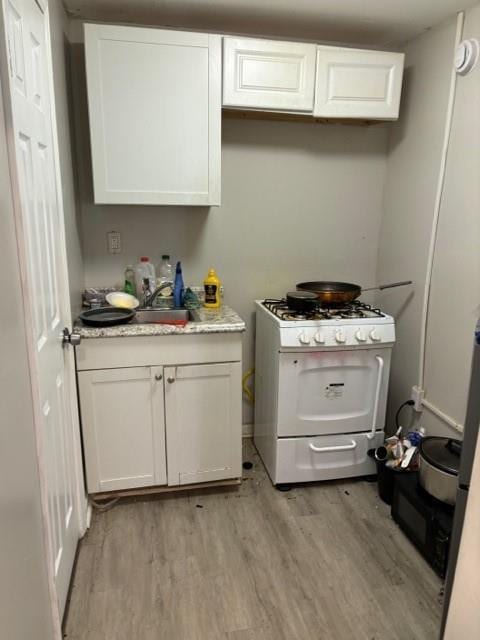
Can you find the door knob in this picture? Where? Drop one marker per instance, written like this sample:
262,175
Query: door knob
158,376
170,380
72,338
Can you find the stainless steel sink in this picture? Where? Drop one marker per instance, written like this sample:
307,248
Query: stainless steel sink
164,316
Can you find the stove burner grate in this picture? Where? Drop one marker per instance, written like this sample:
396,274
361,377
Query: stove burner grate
350,311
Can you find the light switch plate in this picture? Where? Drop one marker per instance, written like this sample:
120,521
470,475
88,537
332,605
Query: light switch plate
114,244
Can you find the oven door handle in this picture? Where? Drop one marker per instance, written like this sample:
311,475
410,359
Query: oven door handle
341,447
381,365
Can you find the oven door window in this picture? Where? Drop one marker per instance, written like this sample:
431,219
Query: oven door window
328,392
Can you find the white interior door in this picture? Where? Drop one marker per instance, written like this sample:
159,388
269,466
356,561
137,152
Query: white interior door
41,244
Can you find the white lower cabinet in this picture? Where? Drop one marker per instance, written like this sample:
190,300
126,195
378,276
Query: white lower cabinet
145,426
202,405
123,424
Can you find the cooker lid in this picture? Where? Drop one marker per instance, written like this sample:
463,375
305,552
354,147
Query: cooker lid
443,453
301,295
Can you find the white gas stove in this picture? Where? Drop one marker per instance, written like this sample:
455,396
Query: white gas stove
321,389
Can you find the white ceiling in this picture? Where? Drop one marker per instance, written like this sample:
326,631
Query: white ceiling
369,22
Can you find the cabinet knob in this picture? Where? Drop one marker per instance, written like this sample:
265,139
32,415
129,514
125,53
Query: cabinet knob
170,380
158,376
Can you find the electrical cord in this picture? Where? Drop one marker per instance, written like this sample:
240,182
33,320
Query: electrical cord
249,393
407,403
104,506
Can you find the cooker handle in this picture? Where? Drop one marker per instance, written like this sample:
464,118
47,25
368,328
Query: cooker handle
381,364
341,447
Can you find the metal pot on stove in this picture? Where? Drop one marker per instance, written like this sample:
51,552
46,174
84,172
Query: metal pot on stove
302,301
439,465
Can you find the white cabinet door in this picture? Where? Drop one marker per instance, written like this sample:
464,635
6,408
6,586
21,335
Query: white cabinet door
357,83
203,415
154,101
268,74
123,426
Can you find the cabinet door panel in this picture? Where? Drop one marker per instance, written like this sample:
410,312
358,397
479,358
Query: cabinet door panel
357,83
123,428
203,422
268,74
155,115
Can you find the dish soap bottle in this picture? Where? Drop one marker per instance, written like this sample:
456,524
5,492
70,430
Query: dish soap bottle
211,285
179,286
129,286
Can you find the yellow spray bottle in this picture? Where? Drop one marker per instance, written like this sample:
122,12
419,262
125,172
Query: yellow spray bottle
211,285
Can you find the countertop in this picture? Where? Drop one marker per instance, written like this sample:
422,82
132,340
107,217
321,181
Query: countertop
222,320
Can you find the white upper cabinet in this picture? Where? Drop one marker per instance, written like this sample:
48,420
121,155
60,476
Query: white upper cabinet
154,100
358,83
268,74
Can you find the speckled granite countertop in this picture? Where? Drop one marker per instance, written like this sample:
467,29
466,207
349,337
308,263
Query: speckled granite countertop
223,320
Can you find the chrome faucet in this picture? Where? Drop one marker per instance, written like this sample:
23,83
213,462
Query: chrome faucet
149,299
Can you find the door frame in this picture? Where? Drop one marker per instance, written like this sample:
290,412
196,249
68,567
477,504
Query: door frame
80,496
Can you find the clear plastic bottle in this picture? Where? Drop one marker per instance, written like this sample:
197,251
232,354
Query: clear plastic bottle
165,271
144,278
165,277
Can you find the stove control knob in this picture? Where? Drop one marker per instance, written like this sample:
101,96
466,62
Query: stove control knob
304,339
340,337
360,335
319,338
374,335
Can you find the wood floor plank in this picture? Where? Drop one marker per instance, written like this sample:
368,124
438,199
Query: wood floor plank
321,562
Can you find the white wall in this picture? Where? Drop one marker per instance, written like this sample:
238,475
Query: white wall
412,173
299,201
59,26
24,597
455,295
305,201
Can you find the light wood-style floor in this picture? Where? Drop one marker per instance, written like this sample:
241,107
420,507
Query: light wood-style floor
322,562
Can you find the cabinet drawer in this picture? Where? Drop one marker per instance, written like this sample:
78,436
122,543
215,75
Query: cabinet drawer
325,457
357,83
265,74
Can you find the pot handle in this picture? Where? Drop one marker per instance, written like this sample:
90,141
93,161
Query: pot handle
454,447
389,286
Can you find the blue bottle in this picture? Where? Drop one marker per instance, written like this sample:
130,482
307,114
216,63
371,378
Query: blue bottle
178,286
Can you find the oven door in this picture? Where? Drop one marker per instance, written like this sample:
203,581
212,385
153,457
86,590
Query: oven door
328,392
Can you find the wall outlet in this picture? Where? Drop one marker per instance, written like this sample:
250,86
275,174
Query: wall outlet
417,397
114,244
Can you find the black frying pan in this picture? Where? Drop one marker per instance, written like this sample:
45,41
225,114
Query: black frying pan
341,292
106,316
